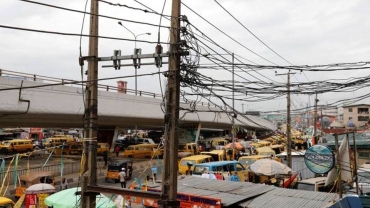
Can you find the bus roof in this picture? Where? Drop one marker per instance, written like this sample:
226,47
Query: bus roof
218,163
35,175
255,156
19,140
4,201
196,157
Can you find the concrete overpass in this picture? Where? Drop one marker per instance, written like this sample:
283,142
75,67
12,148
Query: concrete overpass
62,106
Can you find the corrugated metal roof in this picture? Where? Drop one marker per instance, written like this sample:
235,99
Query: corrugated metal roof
229,192
251,195
290,198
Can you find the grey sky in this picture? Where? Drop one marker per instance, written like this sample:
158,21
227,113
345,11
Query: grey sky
303,32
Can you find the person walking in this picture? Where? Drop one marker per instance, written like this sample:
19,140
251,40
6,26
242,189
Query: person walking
64,184
122,178
117,150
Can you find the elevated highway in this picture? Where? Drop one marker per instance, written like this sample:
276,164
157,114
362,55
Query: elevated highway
63,106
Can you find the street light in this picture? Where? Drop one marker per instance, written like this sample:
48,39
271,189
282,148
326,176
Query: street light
233,99
135,37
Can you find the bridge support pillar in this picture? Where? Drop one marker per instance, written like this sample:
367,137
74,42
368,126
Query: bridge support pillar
198,132
115,136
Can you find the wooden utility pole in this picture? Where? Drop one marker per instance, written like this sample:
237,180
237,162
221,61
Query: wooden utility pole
92,102
355,160
169,176
288,127
315,121
339,181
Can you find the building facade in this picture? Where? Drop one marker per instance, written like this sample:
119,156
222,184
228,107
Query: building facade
356,115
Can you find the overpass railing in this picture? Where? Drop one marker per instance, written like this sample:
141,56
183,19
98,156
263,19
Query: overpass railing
47,79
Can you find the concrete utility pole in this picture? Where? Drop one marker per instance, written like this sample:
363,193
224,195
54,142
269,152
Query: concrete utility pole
288,125
169,177
92,102
315,120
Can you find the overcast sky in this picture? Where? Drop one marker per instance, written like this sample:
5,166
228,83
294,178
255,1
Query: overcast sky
303,32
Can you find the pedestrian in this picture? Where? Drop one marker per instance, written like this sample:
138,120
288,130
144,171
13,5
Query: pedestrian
64,184
189,171
122,178
117,150
234,177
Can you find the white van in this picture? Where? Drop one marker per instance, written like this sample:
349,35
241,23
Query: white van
145,141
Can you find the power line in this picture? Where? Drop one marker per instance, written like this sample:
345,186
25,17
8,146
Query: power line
134,8
252,33
84,12
75,34
227,34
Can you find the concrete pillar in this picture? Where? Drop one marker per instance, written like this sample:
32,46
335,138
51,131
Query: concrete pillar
198,132
115,136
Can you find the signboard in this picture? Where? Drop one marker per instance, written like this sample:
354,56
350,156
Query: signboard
319,159
35,130
186,201
31,200
41,198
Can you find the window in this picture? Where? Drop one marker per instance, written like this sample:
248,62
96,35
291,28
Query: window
363,118
364,155
363,110
239,167
350,110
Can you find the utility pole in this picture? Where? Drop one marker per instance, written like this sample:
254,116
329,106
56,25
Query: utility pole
321,123
233,103
92,103
288,125
339,181
315,120
243,108
289,149
169,177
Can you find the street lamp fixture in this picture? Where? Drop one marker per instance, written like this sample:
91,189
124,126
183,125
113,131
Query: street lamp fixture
135,50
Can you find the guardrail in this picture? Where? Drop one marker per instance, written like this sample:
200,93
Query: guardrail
47,79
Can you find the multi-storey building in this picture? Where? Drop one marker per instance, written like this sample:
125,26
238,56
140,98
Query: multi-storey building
356,115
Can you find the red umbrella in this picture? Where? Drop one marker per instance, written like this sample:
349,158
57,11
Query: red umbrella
290,180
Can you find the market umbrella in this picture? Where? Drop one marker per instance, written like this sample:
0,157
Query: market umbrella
68,199
237,146
40,188
269,167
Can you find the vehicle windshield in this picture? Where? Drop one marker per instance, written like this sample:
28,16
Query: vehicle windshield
182,146
130,148
220,142
115,167
186,162
199,170
5,144
247,161
46,179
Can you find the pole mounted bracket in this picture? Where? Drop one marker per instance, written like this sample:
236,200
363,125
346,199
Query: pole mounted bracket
116,62
137,61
